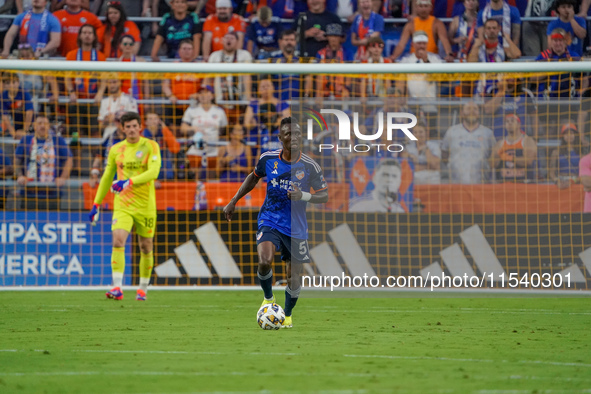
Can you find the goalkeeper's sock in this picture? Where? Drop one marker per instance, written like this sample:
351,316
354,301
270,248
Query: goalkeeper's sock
267,284
291,298
118,265
146,265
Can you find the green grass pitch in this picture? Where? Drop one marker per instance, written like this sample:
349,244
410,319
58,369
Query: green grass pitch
208,341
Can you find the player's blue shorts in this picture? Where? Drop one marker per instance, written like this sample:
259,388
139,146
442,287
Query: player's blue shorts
291,249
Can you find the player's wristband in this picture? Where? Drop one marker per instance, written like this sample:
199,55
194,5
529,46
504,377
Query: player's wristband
306,196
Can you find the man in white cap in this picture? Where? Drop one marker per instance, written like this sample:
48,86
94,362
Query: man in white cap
433,28
216,26
418,85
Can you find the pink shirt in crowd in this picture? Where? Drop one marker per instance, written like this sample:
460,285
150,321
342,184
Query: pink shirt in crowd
585,170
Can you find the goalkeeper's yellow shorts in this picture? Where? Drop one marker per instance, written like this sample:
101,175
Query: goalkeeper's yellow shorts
145,225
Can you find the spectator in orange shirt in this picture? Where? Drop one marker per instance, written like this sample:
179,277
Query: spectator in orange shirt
433,27
115,27
72,18
84,87
216,26
181,87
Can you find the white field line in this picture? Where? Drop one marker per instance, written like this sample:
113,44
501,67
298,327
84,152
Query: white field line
387,357
206,373
276,391
556,363
324,308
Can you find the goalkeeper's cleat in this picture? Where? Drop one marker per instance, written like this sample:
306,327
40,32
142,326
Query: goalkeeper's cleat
115,294
140,295
287,322
266,301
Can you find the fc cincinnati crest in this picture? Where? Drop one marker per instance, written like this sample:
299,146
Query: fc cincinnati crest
299,174
139,154
259,235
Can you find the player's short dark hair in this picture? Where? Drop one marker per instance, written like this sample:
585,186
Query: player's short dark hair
129,116
287,32
289,120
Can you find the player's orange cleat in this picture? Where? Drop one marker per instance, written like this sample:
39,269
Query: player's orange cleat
115,294
141,295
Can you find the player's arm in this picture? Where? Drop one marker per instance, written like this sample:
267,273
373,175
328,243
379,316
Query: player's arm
249,183
320,197
317,183
106,179
104,186
154,164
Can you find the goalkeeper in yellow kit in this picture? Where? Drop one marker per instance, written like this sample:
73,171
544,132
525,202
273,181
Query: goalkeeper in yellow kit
136,161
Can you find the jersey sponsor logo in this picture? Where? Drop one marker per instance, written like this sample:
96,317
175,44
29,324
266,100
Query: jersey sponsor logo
299,174
275,168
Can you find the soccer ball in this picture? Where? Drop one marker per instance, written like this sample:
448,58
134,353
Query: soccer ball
270,317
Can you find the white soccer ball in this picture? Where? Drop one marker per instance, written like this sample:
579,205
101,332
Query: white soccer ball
270,317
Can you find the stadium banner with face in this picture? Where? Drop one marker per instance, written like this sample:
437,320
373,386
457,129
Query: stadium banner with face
381,185
55,249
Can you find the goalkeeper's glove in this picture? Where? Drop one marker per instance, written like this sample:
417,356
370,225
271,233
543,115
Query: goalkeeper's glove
94,214
119,186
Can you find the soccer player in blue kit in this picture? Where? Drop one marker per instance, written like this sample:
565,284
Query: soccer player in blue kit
282,224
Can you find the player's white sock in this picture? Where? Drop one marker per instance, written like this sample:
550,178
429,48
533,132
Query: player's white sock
144,282
117,279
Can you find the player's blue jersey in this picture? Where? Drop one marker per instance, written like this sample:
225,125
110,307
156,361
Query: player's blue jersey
278,211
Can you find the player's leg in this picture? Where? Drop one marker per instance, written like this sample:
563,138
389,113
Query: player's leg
121,226
294,270
266,248
118,263
146,265
266,251
145,227
295,253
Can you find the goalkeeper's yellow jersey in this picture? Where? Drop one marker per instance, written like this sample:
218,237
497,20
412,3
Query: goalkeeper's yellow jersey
139,162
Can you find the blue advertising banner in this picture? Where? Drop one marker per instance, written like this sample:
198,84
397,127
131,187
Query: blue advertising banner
56,249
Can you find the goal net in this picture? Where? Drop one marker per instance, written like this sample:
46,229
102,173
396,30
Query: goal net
464,169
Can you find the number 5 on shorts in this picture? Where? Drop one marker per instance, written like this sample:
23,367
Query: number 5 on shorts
303,248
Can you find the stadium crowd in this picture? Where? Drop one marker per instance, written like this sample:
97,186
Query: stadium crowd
213,128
